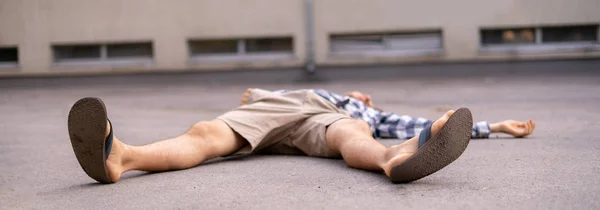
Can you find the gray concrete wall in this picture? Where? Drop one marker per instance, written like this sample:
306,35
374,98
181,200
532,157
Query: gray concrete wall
35,25
460,22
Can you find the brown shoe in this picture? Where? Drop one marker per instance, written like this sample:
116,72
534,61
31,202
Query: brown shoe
438,151
87,130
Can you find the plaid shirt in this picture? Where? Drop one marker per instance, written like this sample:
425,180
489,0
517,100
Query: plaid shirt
388,124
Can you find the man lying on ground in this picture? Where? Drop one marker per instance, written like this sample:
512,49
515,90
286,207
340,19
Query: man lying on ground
291,123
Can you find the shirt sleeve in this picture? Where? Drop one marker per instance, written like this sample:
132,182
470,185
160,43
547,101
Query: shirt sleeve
393,126
329,96
481,130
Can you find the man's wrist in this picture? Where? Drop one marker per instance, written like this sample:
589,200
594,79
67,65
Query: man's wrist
495,127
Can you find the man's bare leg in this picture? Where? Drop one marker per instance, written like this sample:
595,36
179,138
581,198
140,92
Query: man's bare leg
203,141
353,140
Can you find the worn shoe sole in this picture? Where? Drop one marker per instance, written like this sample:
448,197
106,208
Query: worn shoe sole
439,151
87,130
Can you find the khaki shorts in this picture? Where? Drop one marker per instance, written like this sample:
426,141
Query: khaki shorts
292,123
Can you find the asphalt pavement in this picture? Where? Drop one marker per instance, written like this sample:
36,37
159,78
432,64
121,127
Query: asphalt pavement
558,167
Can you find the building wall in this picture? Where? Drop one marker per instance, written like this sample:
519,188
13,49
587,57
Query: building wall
35,25
459,20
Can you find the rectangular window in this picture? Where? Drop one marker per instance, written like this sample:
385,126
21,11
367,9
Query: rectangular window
9,56
244,49
396,43
103,53
340,43
570,34
137,50
508,36
540,39
269,45
207,47
415,41
74,52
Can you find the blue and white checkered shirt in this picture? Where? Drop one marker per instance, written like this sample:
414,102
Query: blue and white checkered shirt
388,124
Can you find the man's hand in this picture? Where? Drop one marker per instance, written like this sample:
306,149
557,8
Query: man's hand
361,97
515,128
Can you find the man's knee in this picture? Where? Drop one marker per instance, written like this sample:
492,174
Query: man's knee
346,126
359,125
345,130
215,133
200,129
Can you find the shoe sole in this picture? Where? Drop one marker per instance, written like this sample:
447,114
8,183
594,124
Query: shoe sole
87,130
439,151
